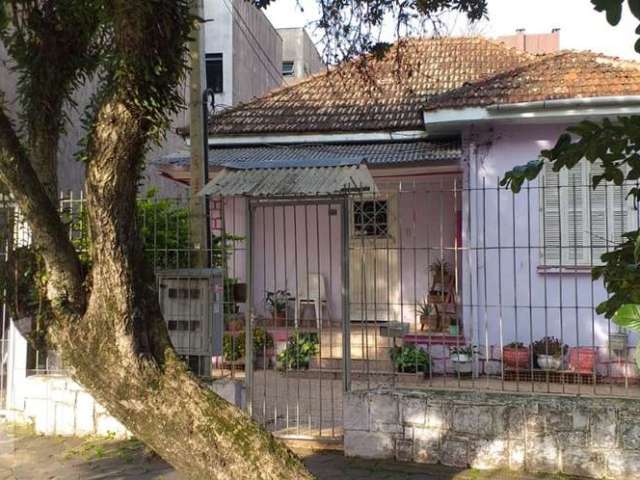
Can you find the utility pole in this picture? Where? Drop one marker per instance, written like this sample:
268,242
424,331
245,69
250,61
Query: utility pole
198,134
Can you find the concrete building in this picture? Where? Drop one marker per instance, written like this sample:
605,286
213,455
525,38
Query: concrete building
300,57
533,42
243,51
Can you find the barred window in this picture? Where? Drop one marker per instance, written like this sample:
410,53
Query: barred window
371,218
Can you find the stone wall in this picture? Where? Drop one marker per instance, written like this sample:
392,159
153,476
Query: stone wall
592,437
56,405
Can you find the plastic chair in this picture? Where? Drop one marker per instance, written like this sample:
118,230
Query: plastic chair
312,291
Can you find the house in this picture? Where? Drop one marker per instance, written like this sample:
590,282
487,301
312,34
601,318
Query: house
428,226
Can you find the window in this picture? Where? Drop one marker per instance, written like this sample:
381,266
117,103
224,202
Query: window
578,223
371,218
214,71
288,69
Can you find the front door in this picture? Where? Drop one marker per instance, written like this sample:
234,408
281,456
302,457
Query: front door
374,272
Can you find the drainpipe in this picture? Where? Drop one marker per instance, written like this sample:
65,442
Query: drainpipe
620,100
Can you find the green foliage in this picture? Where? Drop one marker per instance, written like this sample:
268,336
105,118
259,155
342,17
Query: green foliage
410,359
261,339
301,347
613,10
628,316
549,346
233,346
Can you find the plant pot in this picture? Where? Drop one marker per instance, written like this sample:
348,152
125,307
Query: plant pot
582,359
240,292
516,358
549,362
261,361
280,319
429,323
462,362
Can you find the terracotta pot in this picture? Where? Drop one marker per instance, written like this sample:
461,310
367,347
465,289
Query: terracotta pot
280,319
516,358
240,292
582,359
429,323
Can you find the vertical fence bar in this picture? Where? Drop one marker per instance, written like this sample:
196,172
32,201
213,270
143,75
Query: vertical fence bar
345,296
248,314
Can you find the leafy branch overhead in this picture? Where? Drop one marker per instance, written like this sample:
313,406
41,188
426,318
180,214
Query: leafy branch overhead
614,9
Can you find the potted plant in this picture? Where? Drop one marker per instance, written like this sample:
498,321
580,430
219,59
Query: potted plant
234,322
427,317
516,355
239,292
462,357
233,347
262,347
300,349
549,353
277,303
410,359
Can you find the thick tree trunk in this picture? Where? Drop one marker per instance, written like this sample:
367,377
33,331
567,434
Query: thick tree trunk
108,326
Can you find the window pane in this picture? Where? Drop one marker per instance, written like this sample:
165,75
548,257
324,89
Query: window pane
287,69
214,72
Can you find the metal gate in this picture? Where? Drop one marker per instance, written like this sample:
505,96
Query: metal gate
299,314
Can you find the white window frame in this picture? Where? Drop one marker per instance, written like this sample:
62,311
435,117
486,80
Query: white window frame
582,250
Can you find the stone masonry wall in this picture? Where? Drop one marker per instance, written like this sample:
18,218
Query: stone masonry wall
56,405
592,437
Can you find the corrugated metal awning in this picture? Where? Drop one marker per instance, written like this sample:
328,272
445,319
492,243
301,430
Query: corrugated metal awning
291,182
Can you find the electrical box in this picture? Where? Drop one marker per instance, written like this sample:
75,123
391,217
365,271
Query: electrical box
191,301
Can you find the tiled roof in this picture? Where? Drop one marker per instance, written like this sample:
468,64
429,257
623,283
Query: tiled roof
557,76
388,95
325,155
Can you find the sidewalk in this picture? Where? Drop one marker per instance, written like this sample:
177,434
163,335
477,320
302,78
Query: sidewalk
24,456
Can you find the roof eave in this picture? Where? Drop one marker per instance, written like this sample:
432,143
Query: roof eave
452,120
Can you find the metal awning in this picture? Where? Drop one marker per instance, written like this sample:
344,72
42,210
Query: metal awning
291,181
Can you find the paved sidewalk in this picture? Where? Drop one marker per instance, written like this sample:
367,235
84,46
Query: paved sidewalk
24,456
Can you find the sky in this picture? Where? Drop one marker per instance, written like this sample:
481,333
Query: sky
581,27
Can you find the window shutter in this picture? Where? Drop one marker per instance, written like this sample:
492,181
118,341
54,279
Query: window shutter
620,211
573,244
550,216
599,231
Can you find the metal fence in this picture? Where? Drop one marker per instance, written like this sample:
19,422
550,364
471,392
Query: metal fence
429,282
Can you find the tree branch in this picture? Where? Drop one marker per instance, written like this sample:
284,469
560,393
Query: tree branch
65,290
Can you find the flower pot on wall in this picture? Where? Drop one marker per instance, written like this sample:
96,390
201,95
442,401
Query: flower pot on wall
462,363
549,362
516,358
582,359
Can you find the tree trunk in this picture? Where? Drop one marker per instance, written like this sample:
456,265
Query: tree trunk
108,326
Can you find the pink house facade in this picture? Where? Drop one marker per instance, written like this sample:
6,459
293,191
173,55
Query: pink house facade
422,242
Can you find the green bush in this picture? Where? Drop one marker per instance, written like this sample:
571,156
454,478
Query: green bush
233,346
410,359
301,347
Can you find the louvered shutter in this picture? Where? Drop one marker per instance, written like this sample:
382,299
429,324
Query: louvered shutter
599,231
550,214
573,235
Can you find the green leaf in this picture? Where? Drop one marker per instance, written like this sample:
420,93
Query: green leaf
636,250
637,45
628,316
634,6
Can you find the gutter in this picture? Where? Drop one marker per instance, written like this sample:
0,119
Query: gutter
545,111
568,102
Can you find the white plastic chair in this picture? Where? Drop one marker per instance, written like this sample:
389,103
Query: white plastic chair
312,291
